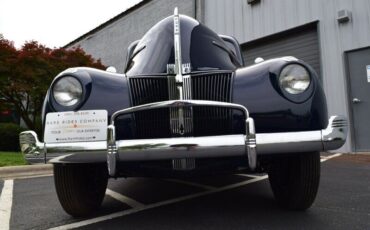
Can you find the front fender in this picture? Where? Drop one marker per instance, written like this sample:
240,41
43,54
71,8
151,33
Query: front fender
102,91
256,87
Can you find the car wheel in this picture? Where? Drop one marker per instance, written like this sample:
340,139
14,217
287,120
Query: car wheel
80,187
294,180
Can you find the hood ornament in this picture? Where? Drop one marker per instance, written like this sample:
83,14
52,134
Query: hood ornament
179,86
178,68
177,44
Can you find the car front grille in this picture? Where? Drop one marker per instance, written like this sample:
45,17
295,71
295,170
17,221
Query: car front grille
212,120
152,123
146,90
206,120
214,87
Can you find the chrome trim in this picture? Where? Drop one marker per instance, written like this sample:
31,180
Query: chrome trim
177,45
176,83
333,137
179,106
179,103
186,68
35,151
183,164
111,69
112,153
32,149
187,87
187,112
171,69
250,144
356,100
181,147
288,142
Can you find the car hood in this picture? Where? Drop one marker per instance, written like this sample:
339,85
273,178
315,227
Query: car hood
201,49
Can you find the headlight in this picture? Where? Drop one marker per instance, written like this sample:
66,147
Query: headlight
67,91
294,79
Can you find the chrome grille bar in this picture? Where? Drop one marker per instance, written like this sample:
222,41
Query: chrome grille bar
215,87
179,103
182,121
148,89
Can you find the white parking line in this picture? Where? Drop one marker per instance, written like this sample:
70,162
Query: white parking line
203,186
124,199
6,200
167,202
155,205
248,175
33,176
330,157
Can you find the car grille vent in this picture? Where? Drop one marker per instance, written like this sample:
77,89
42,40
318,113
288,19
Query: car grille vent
206,120
215,87
153,123
148,89
183,164
212,120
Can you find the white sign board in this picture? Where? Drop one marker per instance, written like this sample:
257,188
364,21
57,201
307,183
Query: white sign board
80,126
368,73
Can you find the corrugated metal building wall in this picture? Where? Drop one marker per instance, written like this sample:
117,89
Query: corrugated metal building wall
307,29
302,44
109,42
251,22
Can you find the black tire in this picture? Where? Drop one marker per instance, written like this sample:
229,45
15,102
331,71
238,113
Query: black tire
295,179
80,187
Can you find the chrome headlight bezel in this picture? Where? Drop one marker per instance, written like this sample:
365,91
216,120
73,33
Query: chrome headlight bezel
305,94
72,91
294,79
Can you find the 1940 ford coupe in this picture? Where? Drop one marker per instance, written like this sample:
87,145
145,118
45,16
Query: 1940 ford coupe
185,106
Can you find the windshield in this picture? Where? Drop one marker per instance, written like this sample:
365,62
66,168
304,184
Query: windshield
200,47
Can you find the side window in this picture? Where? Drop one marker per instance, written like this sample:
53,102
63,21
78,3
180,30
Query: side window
233,45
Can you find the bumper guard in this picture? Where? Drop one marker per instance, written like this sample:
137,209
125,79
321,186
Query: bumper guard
249,144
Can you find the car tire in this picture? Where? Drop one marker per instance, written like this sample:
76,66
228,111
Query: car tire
295,179
80,187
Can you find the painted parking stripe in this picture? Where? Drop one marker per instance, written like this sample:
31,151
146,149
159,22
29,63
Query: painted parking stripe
166,202
203,186
33,176
248,175
124,199
155,205
6,200
330,157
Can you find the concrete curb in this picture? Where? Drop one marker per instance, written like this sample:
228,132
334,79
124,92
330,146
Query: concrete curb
14,172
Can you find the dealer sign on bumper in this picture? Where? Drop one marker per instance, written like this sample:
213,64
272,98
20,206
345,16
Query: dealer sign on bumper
85,125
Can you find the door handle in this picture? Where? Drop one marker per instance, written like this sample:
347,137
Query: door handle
356,100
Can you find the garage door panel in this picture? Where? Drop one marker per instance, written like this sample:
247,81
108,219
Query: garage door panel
301,43
290,43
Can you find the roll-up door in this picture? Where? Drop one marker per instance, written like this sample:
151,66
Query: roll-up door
301,43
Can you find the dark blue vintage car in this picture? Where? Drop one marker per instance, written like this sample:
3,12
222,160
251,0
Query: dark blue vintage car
185,106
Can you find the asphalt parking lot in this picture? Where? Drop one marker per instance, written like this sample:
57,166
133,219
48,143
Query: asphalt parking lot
225,202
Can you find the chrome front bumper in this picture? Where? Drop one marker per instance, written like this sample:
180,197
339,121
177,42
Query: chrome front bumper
249,144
